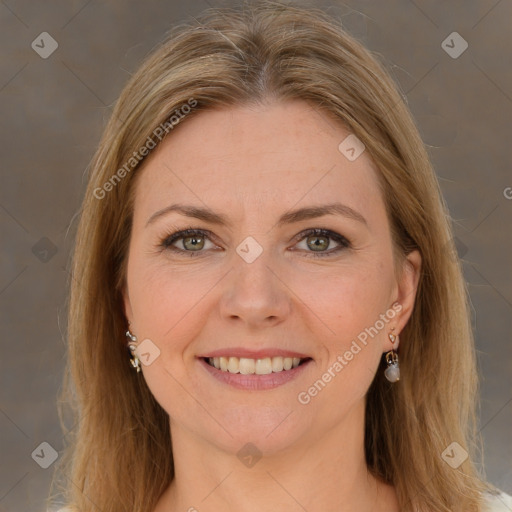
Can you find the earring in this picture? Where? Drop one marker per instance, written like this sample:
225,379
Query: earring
392,372
134,360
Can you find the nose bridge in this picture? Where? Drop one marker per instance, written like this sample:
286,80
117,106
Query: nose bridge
253,292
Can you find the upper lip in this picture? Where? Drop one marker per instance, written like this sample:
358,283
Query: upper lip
253,354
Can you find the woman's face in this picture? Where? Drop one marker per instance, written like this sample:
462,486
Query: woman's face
254,286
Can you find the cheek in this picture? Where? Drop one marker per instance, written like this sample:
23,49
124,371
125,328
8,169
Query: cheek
163,304
355,297
168,304
356,314
159,296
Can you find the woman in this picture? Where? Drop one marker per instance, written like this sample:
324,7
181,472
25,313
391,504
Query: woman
265,312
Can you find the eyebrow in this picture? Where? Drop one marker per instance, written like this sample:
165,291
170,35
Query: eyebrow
310,212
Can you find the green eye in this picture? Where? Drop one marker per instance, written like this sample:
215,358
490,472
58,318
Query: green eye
317,241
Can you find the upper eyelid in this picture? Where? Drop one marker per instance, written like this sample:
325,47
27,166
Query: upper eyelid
329,233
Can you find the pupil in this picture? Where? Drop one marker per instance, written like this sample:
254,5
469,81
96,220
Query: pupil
321,245
194,240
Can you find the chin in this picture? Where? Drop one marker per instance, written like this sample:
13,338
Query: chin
269,431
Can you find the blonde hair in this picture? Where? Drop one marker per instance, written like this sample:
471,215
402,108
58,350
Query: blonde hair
119,456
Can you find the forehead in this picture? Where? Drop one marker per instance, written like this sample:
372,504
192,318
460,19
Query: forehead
282,154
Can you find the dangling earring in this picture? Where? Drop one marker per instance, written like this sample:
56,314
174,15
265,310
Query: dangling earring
392,372
134,360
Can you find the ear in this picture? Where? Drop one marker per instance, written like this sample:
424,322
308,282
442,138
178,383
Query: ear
407,286
127,306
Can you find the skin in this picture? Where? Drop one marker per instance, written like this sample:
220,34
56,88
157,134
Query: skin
253,164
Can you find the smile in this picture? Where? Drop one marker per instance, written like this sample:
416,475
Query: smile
247,366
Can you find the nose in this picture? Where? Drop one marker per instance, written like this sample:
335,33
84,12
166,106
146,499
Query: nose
254,294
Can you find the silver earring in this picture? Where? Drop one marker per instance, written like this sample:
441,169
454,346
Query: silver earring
392,372
134,360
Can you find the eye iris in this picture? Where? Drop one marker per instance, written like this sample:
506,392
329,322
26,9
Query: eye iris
318,246
196,241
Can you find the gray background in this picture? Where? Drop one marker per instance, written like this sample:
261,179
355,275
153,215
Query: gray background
54,110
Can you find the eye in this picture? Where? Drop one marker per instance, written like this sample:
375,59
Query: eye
318,241
192,241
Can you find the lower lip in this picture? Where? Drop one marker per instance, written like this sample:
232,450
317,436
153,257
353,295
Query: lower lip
255,382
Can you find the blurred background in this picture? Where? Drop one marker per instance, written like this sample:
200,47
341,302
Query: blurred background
64,63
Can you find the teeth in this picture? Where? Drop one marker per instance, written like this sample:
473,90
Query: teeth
277,364
247,366
233,365
263,366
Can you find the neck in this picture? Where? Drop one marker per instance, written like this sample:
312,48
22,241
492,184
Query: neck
323,474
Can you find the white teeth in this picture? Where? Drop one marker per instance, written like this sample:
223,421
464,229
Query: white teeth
277,364
263,366
234,365
247,366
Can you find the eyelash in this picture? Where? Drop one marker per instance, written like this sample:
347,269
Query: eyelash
167,241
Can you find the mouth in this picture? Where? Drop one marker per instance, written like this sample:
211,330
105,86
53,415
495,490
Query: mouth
260,366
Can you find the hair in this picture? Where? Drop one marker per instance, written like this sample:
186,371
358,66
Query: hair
118,454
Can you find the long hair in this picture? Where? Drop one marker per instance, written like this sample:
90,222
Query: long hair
118,455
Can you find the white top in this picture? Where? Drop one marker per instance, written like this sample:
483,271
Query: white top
493,503
498,503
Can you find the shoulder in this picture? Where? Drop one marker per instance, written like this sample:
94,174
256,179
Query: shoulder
497,502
